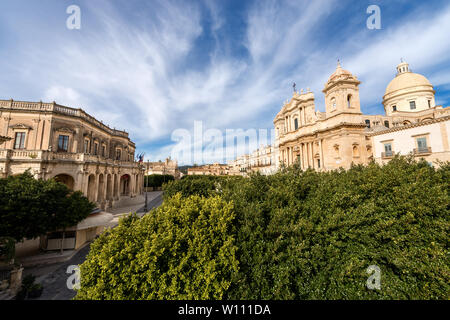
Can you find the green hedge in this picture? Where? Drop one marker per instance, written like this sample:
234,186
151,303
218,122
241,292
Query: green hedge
200,185
157,180
309,235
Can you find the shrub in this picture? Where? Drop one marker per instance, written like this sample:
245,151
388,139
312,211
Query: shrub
182,250
157,180
200,185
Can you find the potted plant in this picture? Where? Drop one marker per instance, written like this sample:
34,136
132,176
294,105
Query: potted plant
29,289
35,291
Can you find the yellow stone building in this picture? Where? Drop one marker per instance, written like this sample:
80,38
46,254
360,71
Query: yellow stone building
169,166
215,169
343,135
67,144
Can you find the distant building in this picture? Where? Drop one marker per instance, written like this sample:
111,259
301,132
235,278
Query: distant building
215,169
262,160
169,166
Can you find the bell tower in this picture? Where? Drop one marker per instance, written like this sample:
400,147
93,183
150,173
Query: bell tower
342,93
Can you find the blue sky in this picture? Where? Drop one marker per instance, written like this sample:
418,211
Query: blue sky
152,67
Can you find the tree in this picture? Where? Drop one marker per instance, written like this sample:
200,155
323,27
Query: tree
182,250
32,207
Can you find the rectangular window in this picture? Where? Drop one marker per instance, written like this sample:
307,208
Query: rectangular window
388,149
318,163
422,144
118,154
296,123
86,146
429,104
95,149
386,123
368,123
103,151
63,143
394,108
19,142
412,105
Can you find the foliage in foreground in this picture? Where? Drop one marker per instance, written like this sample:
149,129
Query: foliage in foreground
299,235
182,250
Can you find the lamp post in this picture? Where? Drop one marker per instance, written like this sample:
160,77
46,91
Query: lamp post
146,197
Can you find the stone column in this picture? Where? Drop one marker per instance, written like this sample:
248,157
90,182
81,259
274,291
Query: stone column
97,178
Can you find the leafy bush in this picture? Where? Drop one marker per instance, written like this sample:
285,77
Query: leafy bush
182,250
200,185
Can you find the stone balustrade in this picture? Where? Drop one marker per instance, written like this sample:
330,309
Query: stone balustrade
39,155
53,107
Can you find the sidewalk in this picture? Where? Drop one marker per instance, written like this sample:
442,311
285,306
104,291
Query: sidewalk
135,204
50,257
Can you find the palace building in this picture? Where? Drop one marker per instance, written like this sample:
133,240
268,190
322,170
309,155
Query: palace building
54,141
343,135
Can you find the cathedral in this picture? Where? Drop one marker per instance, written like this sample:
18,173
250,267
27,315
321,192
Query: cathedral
343,135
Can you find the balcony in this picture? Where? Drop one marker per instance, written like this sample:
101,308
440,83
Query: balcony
40,155
387,155
422,151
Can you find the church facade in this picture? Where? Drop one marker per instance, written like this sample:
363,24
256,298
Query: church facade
343,135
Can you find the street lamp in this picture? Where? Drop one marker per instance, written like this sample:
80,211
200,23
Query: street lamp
146,197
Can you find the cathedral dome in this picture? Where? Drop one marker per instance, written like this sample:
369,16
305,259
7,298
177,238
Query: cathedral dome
407,80
408,92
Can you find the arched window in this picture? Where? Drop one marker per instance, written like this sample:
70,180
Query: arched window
349,101
355,151
296,123
333,103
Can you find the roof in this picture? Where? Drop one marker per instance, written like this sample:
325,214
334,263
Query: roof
407,80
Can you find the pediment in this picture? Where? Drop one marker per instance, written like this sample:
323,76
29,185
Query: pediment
65,129
21,126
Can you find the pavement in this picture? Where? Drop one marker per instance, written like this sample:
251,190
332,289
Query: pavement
53,276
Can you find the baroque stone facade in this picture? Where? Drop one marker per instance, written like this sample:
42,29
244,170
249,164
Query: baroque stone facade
67,144
343,135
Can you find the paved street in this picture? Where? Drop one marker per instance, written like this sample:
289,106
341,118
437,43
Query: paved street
54,277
